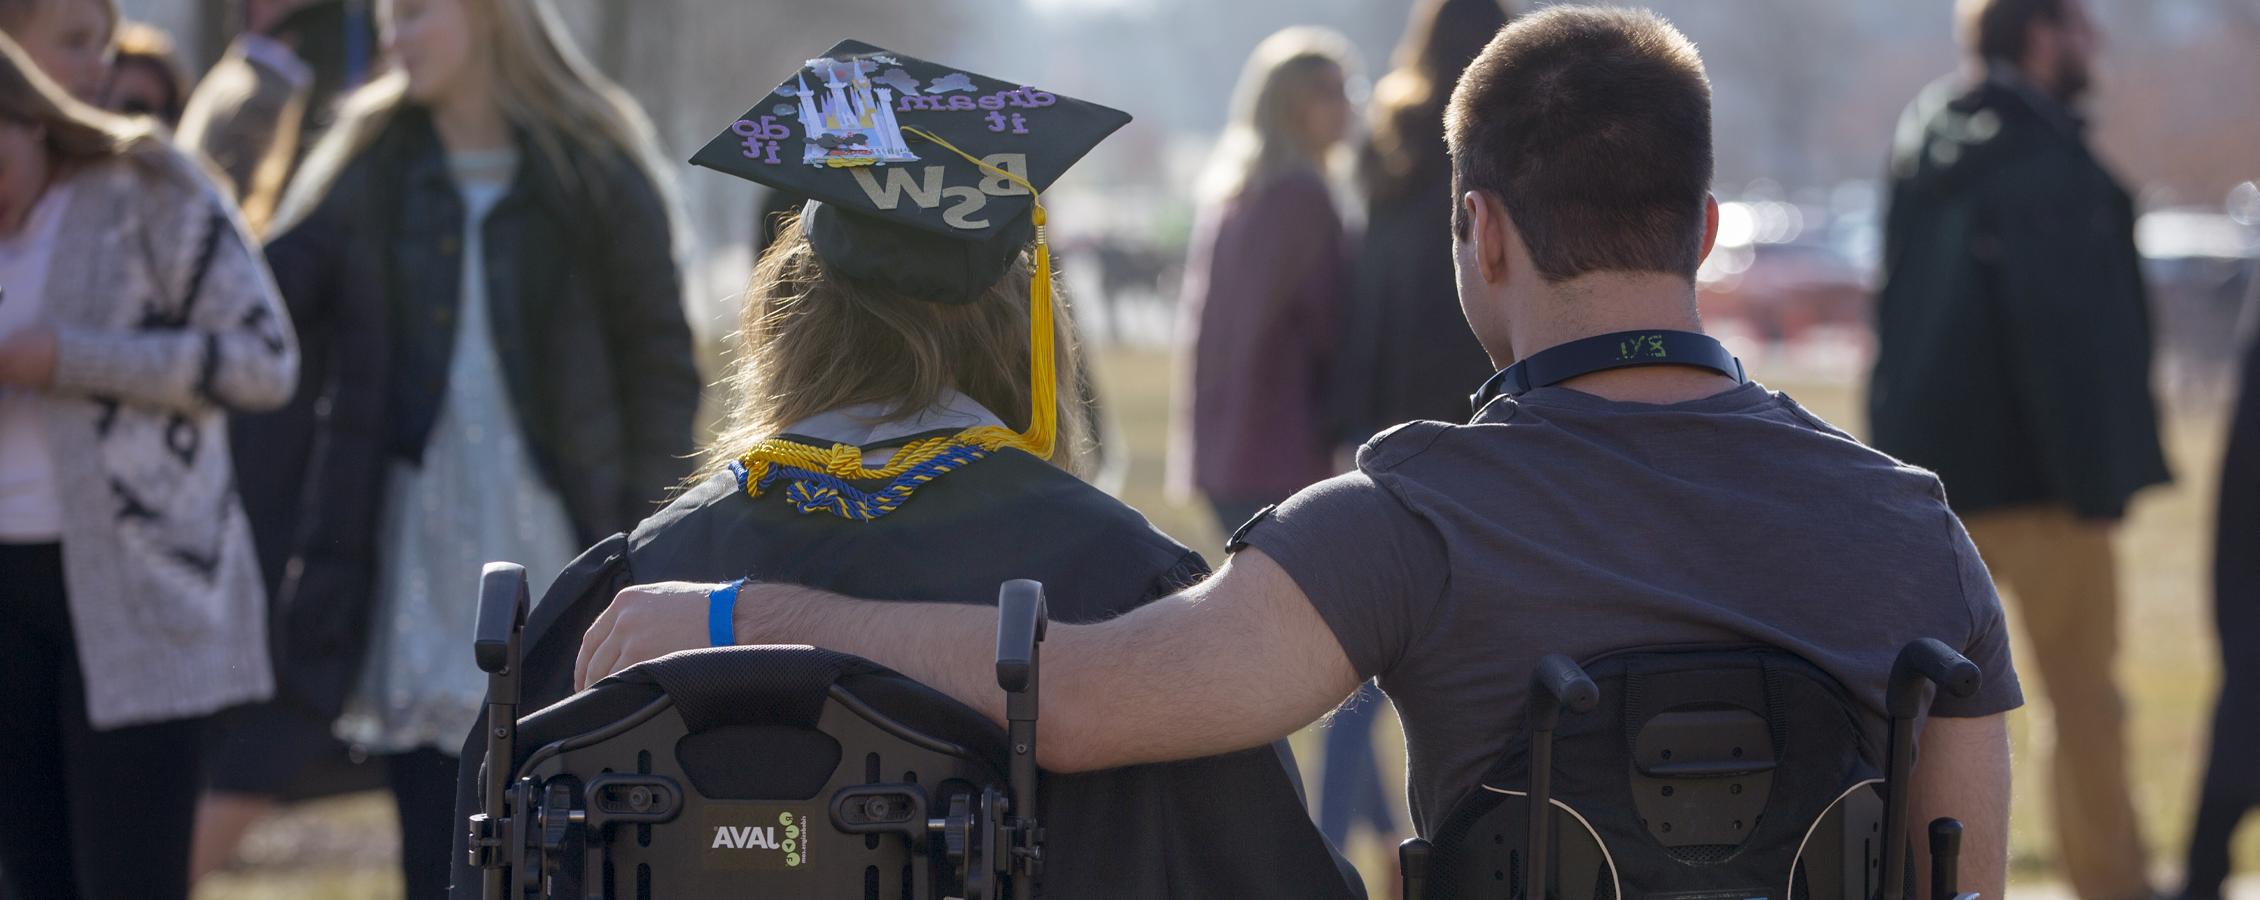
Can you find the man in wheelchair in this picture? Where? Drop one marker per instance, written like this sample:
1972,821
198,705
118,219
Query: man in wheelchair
1760,604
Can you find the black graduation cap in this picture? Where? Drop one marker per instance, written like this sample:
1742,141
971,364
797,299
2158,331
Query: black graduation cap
884,144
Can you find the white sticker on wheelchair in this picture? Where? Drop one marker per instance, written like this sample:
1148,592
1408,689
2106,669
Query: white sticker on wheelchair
756,836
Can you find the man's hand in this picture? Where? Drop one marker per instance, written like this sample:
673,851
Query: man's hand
644,622
27,358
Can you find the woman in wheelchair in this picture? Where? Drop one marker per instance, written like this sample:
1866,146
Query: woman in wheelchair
903,425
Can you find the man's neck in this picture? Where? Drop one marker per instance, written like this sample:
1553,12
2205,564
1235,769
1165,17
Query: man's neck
1609,302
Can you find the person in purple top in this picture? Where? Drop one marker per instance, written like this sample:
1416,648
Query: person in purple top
1265,283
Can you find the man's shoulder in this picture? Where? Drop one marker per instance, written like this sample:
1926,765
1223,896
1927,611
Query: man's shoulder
1399,444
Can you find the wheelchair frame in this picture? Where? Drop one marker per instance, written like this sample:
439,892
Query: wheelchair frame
524,826
1558,682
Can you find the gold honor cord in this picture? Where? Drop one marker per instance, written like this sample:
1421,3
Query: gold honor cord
846,461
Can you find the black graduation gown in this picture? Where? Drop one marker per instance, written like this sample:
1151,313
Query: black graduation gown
1230,826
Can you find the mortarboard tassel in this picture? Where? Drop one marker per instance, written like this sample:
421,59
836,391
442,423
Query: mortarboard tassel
1043,389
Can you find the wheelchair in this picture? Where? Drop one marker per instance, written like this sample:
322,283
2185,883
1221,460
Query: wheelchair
1698,773
757,790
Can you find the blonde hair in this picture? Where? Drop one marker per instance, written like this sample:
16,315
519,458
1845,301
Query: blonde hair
810,343
1263,139
542,84
77,134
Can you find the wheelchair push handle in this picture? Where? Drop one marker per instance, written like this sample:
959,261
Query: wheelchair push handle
1928,660
1946,860
502,615
1021,620
1924,660
1558,682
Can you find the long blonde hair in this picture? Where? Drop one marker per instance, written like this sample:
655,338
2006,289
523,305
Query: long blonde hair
542,84
1263,140
810,343
77,134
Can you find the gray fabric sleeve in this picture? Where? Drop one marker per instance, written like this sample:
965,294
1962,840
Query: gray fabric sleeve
1375,571
1988,642
227,344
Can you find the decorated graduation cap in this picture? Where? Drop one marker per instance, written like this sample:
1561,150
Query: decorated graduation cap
924,179
923,176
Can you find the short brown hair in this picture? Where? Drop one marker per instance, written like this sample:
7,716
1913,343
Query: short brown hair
1593,127
1998,30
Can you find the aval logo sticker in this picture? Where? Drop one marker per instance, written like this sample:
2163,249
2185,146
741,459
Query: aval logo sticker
756,837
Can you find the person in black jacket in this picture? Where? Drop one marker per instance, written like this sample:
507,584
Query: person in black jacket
1407,353
2013,358
478,258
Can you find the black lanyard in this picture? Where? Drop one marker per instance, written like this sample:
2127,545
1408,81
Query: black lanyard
1623,349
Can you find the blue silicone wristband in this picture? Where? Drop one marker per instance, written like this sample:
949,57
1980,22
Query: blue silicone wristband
721,614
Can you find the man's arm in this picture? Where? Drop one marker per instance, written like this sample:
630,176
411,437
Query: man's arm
1235,662
1964,773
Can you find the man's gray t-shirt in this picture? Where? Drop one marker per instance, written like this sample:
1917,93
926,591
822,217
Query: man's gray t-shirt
1561,522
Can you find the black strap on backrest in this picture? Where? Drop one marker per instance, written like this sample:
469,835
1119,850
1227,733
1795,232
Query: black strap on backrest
1623,349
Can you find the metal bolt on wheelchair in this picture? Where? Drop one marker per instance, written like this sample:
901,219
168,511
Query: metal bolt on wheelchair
773,771
1708,773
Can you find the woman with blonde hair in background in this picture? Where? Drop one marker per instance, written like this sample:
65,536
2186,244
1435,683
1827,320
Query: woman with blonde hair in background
1264,284
498,367
134,314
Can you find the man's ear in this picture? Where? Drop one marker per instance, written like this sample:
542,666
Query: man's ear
1490,234
1710,226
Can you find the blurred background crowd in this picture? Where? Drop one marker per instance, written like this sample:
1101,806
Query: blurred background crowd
1258,267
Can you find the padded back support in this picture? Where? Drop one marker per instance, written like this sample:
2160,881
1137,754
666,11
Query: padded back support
1700,776
760,740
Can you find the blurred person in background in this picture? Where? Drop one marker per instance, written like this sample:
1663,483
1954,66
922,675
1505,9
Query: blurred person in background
70,41
136,313
268,98
145,78
254,115
1264,284
2013,359
1407,353
2232,785
498,367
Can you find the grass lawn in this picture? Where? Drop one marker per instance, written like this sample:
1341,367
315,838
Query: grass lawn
342,849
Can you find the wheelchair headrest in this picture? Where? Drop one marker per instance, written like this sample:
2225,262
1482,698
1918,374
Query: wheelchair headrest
720,686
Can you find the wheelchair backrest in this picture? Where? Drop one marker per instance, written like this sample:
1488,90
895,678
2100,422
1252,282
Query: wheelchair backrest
1702,774
755,771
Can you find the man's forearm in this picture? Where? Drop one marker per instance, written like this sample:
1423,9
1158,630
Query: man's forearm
949,647
1238,661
